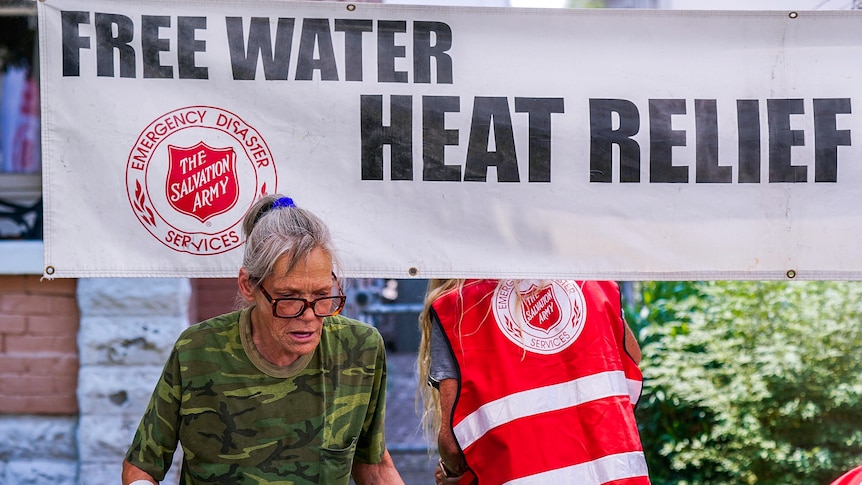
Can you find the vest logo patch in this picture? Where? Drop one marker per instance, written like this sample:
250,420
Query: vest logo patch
544,317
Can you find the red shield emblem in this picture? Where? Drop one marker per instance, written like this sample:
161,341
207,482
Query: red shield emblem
202,181
541,309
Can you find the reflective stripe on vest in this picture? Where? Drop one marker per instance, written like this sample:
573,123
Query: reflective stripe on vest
540,400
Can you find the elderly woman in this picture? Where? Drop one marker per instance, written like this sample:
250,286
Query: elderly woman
531,382
283,391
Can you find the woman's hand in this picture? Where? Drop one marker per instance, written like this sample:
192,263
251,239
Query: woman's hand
443,476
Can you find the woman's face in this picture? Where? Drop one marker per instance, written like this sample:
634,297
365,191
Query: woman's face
286,339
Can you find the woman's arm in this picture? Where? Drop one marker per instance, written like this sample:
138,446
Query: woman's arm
383,473
447,445
131,473
631,343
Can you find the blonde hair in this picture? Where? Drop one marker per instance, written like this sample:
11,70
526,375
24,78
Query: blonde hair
427,396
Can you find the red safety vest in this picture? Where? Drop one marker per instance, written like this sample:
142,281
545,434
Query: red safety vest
549,400
853,477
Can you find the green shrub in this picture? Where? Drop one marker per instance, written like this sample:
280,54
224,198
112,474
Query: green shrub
751,382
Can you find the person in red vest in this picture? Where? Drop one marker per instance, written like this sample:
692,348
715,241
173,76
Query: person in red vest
532,382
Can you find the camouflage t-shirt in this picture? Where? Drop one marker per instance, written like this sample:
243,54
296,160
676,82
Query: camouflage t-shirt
241,419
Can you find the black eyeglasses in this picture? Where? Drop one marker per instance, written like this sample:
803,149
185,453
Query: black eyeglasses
326,306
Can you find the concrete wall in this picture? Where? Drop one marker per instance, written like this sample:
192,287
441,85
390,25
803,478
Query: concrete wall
128,327
37,450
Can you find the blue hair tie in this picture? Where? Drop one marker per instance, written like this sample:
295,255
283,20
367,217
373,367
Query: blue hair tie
283,202
280,203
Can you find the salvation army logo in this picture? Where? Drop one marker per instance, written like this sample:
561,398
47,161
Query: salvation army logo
191,175
202,181
540,316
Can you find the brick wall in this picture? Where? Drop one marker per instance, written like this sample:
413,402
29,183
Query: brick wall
39,323
212,297
38,346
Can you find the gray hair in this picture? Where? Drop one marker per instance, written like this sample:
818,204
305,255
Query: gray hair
275,227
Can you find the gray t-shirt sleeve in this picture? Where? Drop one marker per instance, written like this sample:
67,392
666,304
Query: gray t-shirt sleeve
442,361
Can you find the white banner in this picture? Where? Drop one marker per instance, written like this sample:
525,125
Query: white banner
444,142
